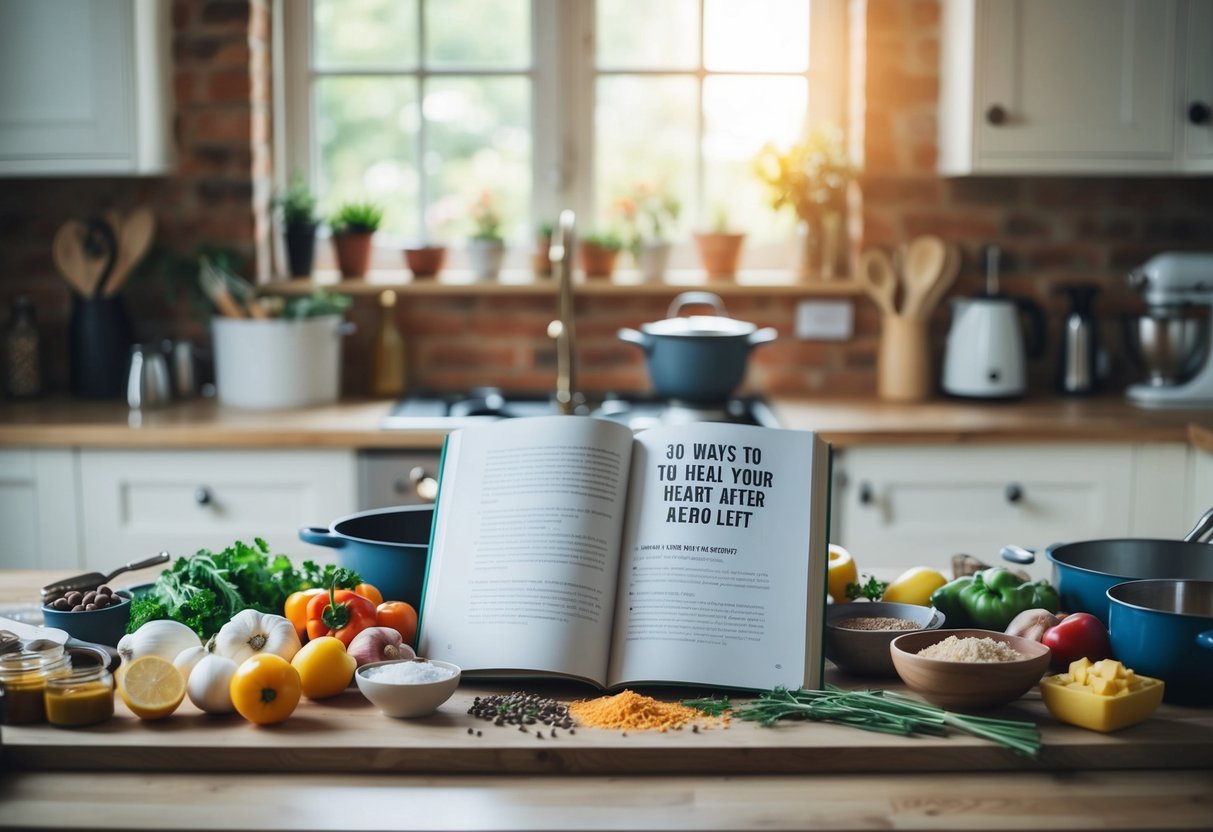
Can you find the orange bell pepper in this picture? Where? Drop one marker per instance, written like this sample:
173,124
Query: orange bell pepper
295,609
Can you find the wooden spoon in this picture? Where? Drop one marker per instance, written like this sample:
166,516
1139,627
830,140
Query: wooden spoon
879,279
134,238
67,250
951,268
924,264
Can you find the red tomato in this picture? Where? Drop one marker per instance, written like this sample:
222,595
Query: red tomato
400,616
1079,635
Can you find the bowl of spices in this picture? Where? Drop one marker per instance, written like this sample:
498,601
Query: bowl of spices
968,669
858,634
407,688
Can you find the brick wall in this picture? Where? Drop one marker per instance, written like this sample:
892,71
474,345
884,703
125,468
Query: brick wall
1052,230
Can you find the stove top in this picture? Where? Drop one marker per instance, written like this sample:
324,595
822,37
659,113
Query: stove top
447,411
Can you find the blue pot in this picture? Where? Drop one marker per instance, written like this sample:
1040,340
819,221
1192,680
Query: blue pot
1165,629
388,547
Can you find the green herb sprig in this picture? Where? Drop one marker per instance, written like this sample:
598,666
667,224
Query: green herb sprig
871,589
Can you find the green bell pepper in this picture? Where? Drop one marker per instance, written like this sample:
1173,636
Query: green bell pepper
989,599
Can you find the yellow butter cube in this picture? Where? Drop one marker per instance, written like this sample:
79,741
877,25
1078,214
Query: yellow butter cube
1078,670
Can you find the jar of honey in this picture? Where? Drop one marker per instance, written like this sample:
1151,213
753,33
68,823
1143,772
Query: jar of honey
23,678
83,697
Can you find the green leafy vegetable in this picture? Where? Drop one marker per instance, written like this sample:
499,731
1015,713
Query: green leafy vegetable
871,589
317,304
205,590
885,712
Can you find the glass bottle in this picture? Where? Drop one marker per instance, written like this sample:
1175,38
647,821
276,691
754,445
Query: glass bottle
22,351
23,678
83,697
388,360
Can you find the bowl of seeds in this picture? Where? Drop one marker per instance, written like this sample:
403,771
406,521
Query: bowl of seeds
858,634
968,670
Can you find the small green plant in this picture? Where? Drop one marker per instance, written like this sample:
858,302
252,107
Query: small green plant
357,218
486,218
297,203
606,240
720,219
544,229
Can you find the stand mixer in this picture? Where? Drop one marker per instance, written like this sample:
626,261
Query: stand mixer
1171,338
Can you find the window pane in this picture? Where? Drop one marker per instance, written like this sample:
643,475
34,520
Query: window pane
644,135
478,139
756,35
363,33
642,34
740,115
366,137
478,33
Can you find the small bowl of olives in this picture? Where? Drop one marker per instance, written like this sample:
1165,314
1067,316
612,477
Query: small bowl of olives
99,615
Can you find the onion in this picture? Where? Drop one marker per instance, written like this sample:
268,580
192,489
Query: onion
378,644
163,638
1032,624
209,685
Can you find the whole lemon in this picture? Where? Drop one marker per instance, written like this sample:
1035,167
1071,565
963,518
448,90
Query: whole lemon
843,571
325,668
914,586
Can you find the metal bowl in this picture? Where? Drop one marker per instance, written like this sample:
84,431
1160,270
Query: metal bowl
1169,344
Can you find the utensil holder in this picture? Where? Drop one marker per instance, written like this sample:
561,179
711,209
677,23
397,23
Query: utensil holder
99,345
903,368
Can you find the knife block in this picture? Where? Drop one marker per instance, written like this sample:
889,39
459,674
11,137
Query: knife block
903,368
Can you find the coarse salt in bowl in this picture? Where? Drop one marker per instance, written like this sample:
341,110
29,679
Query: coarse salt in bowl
407,688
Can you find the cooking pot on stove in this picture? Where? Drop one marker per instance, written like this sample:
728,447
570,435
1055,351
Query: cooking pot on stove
1083,572
697,358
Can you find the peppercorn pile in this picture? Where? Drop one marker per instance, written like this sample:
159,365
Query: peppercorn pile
519,708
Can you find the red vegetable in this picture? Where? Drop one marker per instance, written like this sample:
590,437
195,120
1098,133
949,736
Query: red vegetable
341,613
1079,635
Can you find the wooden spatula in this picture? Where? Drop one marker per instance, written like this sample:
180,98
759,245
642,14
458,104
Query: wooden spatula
924,265
134,235
879,279
67,250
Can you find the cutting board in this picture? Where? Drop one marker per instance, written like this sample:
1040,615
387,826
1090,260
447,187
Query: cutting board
348,734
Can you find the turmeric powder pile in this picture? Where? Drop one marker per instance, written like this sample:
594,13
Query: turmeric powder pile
629,710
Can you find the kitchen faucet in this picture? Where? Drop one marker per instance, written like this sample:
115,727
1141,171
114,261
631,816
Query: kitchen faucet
561,329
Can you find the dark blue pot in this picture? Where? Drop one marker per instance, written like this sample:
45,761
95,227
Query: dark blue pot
388,547
1165,629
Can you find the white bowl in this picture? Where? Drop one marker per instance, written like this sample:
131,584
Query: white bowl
405,700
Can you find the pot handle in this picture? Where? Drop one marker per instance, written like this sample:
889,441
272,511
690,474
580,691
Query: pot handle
321,537
692,298
1017,554
1201,531
635,336
762,336
1205,639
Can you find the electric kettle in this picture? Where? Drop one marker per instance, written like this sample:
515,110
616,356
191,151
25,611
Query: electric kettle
986,352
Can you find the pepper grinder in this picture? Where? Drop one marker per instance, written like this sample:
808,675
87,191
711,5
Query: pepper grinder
22,351
1076,371
388,360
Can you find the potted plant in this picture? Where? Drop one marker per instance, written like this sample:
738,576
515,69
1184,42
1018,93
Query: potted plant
486,248
811,177
297,205
649,216
720,248
541,261
598,253
354,226
425,259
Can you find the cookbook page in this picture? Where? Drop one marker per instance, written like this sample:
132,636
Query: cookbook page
723,566
524,556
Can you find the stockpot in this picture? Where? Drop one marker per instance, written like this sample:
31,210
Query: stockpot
1165,629
1083,572
697,358
388,547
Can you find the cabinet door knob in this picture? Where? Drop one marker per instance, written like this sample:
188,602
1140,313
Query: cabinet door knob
1014,493
866,498
996,114
202,495
1199,112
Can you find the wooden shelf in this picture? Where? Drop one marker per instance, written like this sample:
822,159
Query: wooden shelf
520,282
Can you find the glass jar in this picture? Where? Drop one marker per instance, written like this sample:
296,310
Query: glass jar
83,697
23,678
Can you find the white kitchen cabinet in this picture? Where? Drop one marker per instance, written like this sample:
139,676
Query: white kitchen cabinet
84,87
136,503
39,509
1084,86
1200,490
897,507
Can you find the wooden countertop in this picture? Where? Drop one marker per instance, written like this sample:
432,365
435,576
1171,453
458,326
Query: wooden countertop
355,424
343,765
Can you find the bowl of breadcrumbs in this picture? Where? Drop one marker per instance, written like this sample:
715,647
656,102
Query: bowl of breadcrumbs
968,669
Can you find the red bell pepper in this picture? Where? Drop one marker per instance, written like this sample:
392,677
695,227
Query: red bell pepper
341,613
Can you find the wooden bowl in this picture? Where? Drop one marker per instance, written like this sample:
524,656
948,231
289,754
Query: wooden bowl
962,686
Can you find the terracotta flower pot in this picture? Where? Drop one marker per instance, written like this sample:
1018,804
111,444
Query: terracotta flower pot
353,251
719,253
425,261
541,261
597,261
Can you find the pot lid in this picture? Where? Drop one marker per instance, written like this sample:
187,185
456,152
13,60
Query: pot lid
715,326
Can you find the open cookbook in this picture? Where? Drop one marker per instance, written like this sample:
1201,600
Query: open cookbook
694,554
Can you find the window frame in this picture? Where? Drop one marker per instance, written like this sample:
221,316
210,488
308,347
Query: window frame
563,78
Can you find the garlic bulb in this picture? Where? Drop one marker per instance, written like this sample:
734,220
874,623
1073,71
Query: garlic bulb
377,644
251,632
209,685
164,638
188,658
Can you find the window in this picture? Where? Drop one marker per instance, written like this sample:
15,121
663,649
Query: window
425,105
